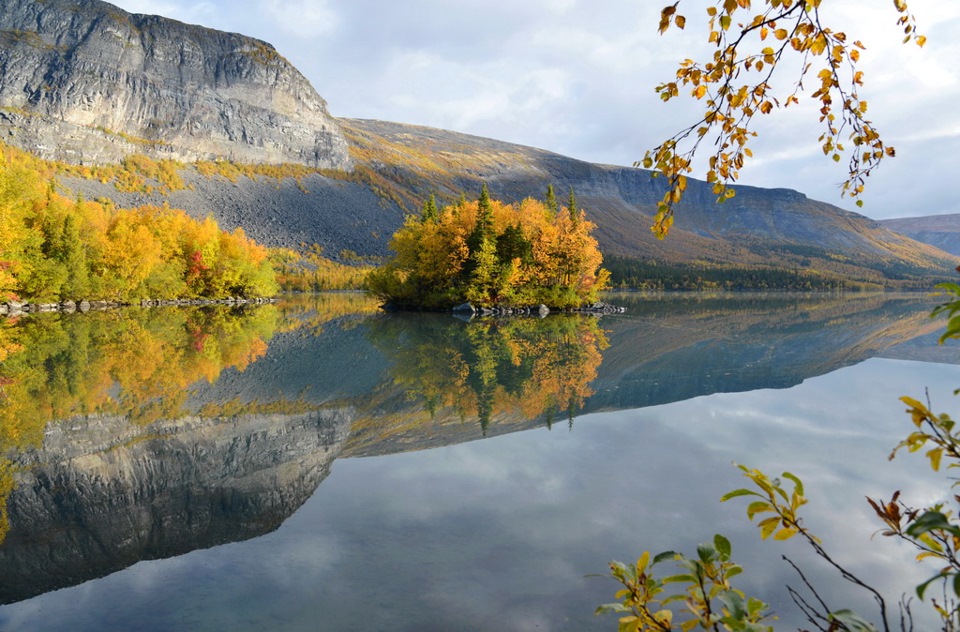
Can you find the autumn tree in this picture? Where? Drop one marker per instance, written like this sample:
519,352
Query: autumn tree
490,253
54,247
734,84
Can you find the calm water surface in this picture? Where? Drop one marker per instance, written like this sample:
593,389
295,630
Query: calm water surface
318,465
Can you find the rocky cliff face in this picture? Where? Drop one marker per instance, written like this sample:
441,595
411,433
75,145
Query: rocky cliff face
86,82
103,493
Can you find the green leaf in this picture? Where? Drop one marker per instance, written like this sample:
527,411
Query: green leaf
723,546
852,621
738,492
608,608
706,553
673,599
662,557
755,607
734,603
930,521
796,481
923,587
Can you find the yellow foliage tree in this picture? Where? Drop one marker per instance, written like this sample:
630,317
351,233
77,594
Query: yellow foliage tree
53,248
491,253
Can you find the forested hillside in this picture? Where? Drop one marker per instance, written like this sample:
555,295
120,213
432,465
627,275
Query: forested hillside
55,248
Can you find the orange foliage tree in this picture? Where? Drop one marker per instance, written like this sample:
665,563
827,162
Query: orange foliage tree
53,248
491,253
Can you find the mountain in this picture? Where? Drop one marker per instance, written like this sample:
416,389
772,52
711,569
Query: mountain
86,82
759,227
942,231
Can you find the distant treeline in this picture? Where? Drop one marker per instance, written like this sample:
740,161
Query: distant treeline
645,274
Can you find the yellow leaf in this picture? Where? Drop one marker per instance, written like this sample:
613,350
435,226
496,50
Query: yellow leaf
780,34
643,561
921,40
785,534
664,617
935,456
768,526
700,92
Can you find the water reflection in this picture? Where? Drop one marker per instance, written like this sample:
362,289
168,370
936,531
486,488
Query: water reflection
146,434
492,368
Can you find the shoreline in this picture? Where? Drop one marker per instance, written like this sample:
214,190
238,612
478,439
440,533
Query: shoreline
12,309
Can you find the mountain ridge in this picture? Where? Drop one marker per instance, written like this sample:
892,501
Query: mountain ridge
942,231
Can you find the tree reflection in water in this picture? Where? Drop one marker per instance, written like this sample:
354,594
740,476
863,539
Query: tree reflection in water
489,367
139,364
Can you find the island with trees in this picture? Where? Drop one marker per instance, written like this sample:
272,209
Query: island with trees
491,254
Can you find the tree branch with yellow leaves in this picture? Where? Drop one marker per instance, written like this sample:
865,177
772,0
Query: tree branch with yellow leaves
735,86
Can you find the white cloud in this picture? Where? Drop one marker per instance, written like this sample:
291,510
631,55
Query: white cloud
190,12
306,19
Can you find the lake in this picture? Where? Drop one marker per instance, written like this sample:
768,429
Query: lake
317,464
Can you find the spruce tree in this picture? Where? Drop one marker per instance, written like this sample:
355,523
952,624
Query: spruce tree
572,207
429,213
551,200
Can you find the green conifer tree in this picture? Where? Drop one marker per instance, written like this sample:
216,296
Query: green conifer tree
572,207
551,200
429,213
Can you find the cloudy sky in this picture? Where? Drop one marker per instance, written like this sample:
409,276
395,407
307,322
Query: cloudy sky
577,77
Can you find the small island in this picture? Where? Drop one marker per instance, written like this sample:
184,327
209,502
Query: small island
493,255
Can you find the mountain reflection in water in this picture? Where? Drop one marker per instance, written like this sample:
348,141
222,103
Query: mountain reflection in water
145,434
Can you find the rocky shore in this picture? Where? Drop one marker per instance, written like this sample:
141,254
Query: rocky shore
13,308
540,311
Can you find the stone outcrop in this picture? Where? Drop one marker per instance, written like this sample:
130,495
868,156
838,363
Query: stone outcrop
86,82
